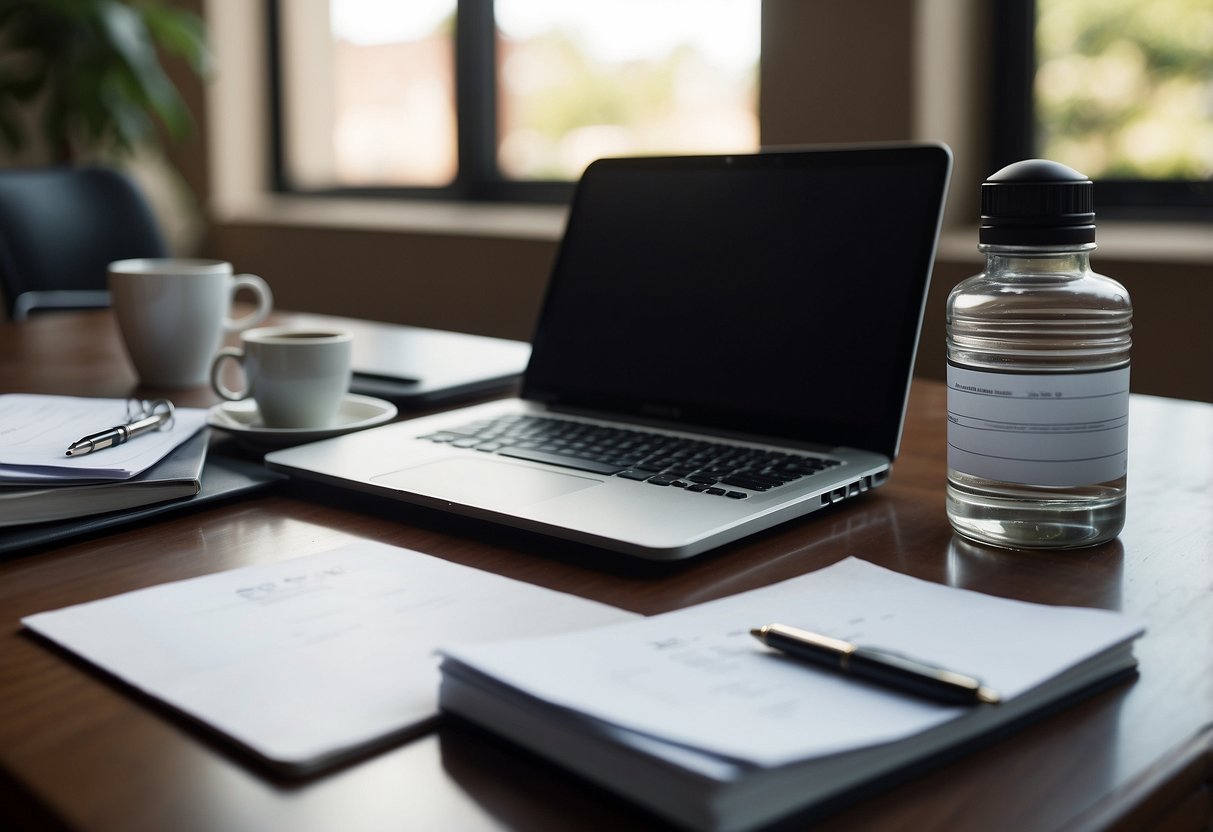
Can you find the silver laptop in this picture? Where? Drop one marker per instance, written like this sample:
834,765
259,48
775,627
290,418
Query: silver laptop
726,344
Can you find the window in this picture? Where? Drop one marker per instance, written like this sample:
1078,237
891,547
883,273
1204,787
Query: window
1121,90
508,100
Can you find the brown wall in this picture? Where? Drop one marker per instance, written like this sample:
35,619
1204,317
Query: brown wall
483,285
808,96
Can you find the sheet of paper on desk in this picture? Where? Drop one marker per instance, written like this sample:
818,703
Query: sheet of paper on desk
313,659
35,431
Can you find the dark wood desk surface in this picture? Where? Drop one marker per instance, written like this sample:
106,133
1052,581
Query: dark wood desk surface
80,751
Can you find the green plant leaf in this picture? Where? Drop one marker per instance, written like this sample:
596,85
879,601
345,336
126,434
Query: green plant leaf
133,46
181,33
93,69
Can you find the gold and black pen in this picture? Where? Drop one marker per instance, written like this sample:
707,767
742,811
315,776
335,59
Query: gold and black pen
875,665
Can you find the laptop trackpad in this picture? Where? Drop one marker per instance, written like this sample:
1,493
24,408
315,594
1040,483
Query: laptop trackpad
484,483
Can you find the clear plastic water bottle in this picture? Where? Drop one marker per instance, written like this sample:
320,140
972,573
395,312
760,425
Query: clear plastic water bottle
1038,371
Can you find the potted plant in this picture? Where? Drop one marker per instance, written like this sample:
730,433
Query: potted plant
84,77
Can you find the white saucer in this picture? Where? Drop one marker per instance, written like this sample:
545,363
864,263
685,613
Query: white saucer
244,419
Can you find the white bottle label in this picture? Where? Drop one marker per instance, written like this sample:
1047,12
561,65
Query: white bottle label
1039,429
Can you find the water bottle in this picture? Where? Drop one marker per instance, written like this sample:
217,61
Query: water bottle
1038,371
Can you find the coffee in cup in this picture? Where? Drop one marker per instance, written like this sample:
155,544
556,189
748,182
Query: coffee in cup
297,376
173,313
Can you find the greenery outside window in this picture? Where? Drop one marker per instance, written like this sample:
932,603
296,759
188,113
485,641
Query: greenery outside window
1121,90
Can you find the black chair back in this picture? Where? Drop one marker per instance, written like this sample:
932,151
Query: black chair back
61,227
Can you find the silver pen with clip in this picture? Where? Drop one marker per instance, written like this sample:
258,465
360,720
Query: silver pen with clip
145,417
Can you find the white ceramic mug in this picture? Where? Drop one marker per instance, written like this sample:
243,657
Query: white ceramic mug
297,376
173,313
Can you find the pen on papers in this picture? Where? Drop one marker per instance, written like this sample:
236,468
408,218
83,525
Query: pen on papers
879,666
156,416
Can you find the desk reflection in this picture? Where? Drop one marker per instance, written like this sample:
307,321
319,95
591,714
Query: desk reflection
1082,577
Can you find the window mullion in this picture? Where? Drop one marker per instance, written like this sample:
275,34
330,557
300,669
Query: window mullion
1013,74
476,97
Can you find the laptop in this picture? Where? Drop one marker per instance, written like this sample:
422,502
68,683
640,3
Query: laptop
726,344
419,367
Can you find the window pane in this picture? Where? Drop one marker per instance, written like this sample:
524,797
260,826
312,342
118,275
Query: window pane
369,92
581,80
1124,88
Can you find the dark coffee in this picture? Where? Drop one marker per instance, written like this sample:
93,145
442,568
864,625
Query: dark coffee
304,336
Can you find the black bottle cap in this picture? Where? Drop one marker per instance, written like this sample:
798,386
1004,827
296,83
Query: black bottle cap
1037,203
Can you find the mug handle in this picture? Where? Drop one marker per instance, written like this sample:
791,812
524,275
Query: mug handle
265,302
237,355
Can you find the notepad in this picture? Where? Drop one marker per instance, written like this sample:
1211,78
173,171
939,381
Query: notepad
308,662
35,431
687,714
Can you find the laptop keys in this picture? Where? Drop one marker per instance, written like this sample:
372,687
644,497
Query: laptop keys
694,465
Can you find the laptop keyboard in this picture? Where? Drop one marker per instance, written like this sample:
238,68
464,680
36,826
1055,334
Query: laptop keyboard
714,468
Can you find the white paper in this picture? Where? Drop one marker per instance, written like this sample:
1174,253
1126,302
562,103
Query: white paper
36,430
304,659
696,677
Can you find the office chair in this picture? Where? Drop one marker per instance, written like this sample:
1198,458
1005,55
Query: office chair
60,228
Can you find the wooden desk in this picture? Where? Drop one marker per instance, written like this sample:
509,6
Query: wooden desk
78,750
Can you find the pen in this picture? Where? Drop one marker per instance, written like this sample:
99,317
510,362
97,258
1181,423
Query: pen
875,665
156,416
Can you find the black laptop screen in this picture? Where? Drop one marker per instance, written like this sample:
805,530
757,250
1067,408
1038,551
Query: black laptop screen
777,294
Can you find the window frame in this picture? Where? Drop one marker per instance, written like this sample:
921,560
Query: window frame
1013,127
478,177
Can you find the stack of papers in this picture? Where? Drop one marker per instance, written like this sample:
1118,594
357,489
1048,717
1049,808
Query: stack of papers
689,715
40,483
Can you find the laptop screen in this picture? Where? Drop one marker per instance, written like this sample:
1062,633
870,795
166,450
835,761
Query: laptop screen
777,294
